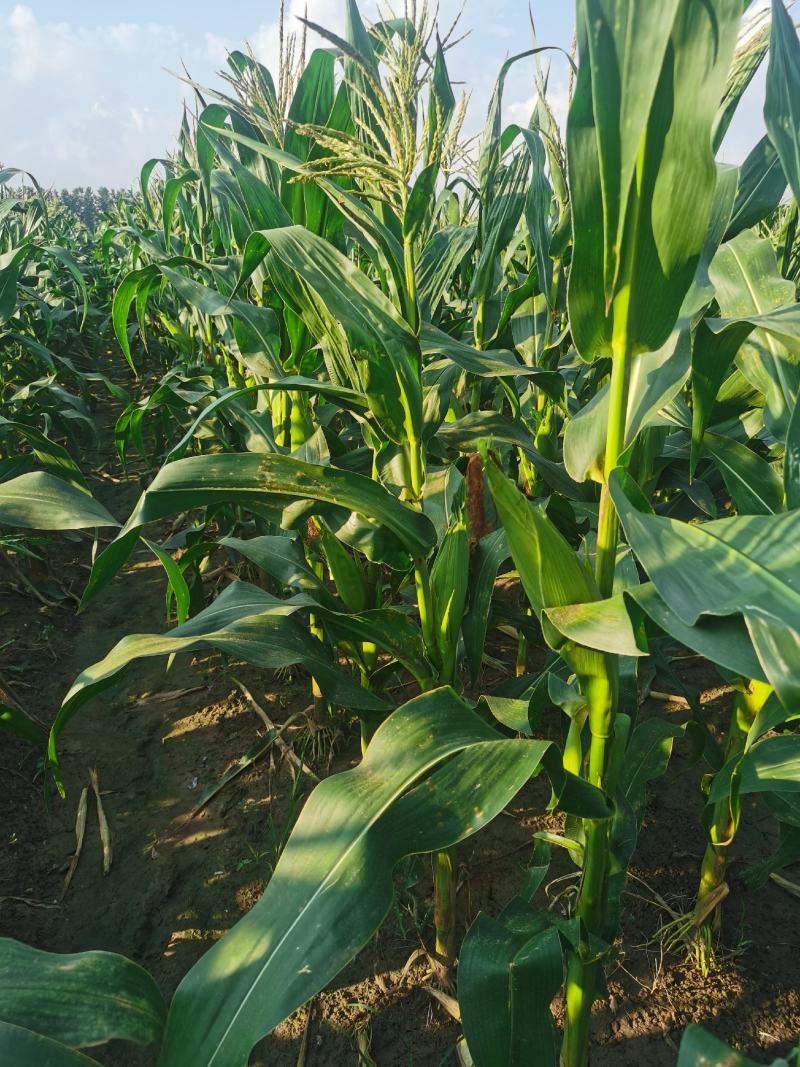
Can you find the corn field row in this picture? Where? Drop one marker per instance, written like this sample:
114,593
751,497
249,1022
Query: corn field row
376,372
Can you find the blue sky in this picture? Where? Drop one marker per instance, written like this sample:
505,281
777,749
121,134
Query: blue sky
85,97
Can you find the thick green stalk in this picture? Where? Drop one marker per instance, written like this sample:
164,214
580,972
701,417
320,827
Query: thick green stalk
608,523
444,886
601,697
746,705
444,883
315,628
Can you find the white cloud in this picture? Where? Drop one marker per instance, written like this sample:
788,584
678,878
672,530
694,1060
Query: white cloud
85,103
97,101
125,35
216,47
520,111
25,43
328,13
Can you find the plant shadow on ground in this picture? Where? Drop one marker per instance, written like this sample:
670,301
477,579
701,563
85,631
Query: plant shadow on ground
177,883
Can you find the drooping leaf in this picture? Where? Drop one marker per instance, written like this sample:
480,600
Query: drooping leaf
41,501
243,621
24,1048
415,791
721,567
81,999
276,479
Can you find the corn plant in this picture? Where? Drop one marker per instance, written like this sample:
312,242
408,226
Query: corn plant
365,355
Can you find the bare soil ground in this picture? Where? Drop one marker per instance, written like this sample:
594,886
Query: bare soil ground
177,883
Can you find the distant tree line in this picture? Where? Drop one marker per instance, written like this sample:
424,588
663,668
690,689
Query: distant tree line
85,203
89,204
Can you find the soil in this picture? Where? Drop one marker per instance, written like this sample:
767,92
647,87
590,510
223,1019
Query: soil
178,883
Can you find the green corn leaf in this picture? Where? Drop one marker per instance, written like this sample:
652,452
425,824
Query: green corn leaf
312,101
24,1048
551,574
769,766
778,646
606,625
346,572
340,395
721,639
699,1048
441,101
176,583
754,486
537,211
786,853
464,433
489,555
647,756
10,265
372,232
641,169
782,102
712,355
244,622
271,478
549,569
422,196
145,175
415,791
65,257
510,969
41,501
80,1000
614,625
749,286
499,223
264,208
486,363
762,184
721,567
791,460
311,104
15,721
449,580
389,629
751,49
257,333
282,557
441,257
389,351
492,141
656,379
50,454
442,492
172,188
